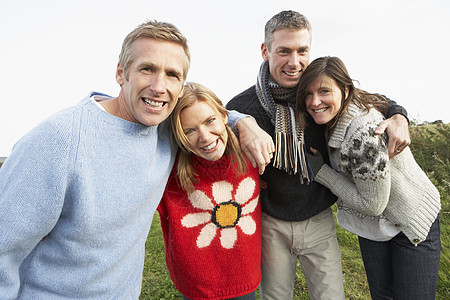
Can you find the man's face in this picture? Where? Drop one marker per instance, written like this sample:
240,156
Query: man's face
288,57
155,81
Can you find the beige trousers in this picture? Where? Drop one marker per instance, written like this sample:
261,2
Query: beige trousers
313,242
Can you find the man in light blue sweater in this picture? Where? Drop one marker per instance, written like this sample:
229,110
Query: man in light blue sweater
78,192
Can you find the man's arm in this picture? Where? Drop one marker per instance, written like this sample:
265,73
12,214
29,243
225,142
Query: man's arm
396,126
28,210
256,144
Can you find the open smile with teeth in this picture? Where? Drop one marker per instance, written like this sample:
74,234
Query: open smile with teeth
210,146
151,103
320,110
292,73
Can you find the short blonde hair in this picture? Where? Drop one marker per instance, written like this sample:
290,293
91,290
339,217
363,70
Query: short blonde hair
155,30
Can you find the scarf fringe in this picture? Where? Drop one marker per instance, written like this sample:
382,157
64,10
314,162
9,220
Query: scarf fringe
293,159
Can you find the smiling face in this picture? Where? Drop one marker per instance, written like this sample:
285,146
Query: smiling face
154,83
323,99
205,130
288,55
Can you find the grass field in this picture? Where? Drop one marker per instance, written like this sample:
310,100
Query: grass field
430,145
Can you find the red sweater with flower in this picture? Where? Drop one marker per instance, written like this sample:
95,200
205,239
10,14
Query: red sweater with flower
213,235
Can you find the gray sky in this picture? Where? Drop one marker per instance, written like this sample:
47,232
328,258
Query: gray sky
55,52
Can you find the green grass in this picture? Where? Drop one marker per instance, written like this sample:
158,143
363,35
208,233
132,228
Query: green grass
430,146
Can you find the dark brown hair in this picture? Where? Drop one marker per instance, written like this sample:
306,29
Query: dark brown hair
334,68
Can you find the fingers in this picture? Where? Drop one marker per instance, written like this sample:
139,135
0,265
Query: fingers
396,147
249,156
381,128
263,159
261,169
397,130
258,158
392,149
313,150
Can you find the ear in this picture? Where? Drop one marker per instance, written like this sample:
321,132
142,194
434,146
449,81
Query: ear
347,90
225,119
120,76
181,91
264,52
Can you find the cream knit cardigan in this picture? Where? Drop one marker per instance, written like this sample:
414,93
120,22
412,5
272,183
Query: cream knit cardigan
367,181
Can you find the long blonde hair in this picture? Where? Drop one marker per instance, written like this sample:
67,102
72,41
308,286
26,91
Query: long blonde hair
192,93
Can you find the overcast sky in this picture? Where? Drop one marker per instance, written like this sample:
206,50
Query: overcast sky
53,53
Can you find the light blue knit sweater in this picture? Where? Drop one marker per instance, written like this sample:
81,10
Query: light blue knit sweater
77,197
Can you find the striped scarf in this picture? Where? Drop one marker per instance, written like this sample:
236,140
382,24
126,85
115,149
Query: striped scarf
289,137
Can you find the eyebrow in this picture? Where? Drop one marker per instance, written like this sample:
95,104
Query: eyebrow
178,73
204,121
153,66
281,48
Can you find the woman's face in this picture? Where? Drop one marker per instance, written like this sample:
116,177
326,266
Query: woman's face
205,130
323,99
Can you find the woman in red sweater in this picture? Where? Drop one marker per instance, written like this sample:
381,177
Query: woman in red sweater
210,212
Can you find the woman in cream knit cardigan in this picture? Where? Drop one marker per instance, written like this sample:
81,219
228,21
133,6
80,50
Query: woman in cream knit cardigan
389,203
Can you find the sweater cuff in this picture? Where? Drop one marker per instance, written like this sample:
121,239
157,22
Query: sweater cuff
233,118
326,176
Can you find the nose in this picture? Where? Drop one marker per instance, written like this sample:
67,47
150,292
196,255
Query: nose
294,60
158,85
203,134
315,100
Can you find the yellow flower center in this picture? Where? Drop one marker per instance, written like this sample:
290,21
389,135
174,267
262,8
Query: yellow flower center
226,214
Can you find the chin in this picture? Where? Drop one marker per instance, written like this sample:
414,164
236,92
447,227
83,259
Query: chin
320,121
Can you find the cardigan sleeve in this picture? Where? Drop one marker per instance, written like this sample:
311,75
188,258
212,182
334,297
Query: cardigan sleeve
33,182
363,182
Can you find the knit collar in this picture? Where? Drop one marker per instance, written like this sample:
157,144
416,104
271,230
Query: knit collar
281,95
125,125
338,134
211,169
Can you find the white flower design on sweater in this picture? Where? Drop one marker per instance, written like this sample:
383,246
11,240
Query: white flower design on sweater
222,213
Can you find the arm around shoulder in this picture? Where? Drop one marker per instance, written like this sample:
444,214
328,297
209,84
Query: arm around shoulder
256,144
397,128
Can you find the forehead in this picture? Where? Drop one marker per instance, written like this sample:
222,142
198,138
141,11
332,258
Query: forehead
160,52
291,38
323,81
200,109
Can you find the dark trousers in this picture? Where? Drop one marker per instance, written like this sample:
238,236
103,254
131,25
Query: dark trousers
397,269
